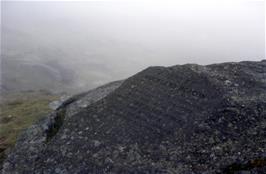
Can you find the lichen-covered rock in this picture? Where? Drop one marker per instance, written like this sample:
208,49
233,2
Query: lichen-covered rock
34,140
57,103
186,119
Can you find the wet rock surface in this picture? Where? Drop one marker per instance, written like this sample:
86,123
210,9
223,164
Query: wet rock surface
186,119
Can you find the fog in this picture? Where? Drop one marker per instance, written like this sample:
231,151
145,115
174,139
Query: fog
98,42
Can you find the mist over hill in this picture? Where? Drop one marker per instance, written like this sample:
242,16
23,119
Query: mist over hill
67,46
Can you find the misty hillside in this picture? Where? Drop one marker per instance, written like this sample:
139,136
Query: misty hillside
26,75
73,47
180,119
28,64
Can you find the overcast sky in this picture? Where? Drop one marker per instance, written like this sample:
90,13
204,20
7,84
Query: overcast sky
116,39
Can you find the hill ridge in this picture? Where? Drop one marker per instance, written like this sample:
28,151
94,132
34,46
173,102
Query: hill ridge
179,119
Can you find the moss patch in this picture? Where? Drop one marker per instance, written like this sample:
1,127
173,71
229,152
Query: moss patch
19,111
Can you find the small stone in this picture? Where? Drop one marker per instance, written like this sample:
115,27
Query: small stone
109,160
57,170
96,143
228,82
63,136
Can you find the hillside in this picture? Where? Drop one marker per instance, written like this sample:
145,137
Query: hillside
180,119
19,74
18,111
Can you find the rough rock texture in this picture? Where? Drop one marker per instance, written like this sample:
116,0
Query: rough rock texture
35,139
186,119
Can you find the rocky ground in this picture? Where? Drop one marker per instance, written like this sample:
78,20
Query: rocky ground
185,119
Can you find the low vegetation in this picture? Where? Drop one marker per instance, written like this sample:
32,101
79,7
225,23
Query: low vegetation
19,111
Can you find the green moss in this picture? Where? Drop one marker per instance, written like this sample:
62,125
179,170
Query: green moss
19,111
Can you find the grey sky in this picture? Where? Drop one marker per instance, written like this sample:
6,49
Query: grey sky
113,40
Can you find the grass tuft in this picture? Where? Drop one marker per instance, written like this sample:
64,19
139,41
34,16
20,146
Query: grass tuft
18,111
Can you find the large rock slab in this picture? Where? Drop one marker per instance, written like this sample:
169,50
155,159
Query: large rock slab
181,119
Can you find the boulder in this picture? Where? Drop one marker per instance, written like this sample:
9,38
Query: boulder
184,119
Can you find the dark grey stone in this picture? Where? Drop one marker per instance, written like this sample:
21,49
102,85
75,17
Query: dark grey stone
186,119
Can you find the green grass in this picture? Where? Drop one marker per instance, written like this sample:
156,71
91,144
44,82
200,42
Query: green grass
19,111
